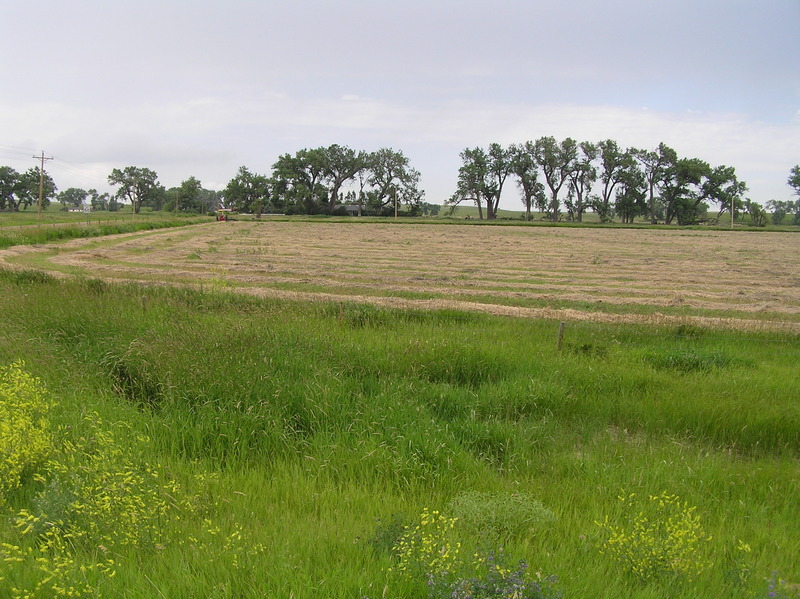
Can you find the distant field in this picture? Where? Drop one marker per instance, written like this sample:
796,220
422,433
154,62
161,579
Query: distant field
720,278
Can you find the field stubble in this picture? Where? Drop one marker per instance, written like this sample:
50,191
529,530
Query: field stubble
738,279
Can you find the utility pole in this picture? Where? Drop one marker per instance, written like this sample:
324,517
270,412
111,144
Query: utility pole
41,181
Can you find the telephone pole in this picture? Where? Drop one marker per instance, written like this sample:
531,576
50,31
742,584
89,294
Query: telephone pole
41,181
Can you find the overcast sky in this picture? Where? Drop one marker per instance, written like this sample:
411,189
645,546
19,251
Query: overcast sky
201,87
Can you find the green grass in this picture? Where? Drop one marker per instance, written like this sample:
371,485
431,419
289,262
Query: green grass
22,228
320,429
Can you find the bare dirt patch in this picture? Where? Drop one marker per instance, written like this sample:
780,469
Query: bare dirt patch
718,278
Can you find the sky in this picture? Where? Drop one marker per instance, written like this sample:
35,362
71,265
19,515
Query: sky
202,87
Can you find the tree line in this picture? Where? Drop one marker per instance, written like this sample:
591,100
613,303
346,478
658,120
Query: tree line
326,179
560,179
564,179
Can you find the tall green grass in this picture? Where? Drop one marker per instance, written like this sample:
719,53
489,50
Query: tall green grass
31,235
313,426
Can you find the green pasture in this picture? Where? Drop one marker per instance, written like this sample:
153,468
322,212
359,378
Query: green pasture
204,444
26,228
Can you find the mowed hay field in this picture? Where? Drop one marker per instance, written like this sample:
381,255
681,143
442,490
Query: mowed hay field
279,409
732,279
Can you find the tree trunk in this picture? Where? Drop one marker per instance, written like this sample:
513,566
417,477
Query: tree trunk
653,219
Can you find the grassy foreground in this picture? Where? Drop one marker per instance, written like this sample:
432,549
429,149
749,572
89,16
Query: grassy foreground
175,443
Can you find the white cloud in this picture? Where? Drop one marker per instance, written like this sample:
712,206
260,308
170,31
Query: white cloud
212,135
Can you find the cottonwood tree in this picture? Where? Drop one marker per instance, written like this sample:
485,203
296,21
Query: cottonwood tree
722,187
653,164
99,201
556,161
679,186
631,194
299,181
247,192
390,177
780,209
481,178
794,179
187,195
9,186
526,170
340,164
137,185
74,197
582,176
615,166
21,190
758,216
472,177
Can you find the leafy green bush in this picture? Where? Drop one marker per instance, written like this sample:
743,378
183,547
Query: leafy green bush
25,439
498,517
656,538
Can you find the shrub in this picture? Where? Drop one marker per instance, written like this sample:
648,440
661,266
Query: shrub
496,581
497,517
25,439
428,549
657,538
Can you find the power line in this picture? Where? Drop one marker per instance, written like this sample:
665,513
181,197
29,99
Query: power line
41,181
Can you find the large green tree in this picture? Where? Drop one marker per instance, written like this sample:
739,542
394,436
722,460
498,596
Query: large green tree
630,200
189,194
556,160
482,176
340,164
615,166
101,201
9,184
653,165
794,179
722,187
137,185
582,176
300,181
680,187
472,178
390,177
21,190
247,192
526,170
73,197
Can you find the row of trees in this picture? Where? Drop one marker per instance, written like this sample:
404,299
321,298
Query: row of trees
322,180
781,209
135,186
139,187
21,190
600,177
629,183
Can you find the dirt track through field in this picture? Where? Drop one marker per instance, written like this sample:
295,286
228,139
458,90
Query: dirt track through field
740,279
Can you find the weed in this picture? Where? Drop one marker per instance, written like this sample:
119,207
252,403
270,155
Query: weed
777,588
388,533
25,439
686,361
26,276
497,581
659,538
428,549
498,517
